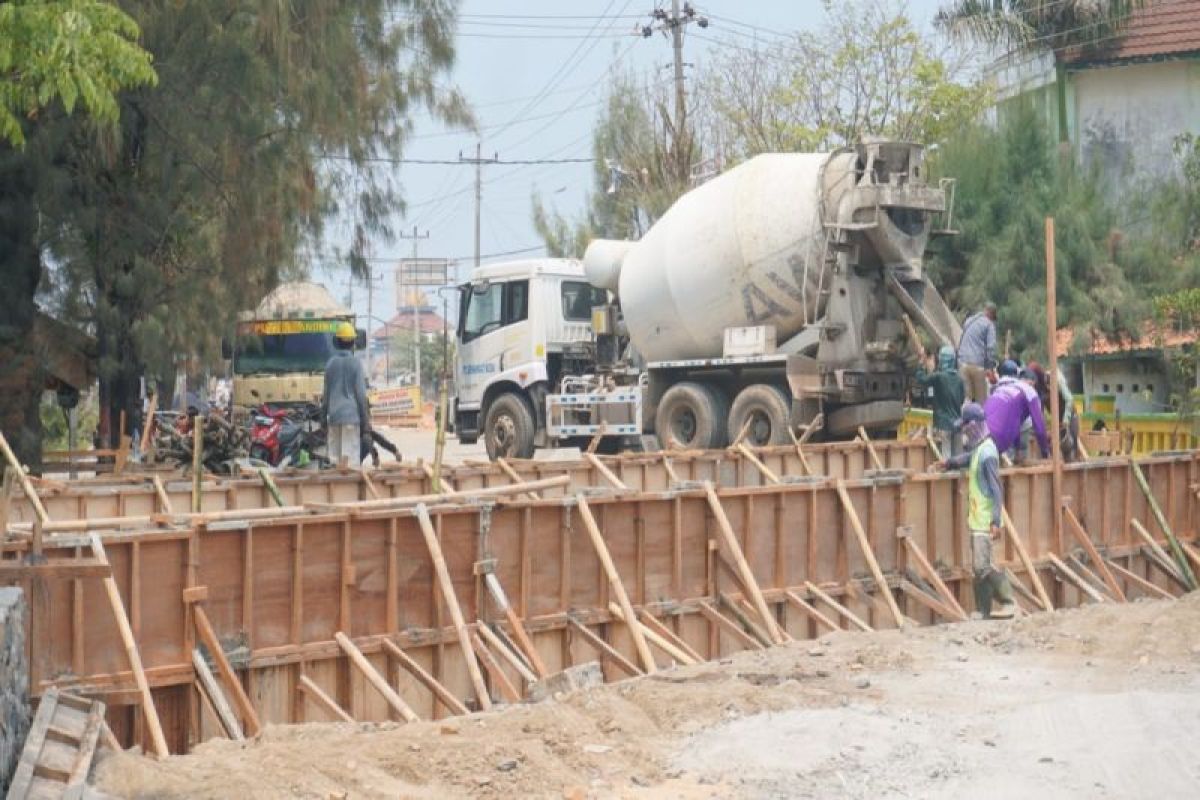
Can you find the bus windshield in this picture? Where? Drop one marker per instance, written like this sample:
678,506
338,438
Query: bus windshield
282,346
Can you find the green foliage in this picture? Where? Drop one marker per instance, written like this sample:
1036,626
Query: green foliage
1037,24
55,435
78,51
400,350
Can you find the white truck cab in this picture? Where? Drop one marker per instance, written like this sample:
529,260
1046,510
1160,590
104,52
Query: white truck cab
517,322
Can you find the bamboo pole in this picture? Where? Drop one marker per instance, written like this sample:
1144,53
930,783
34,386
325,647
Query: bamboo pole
1052,349
605,472
422,675
808,470
447,588
1185,569
271,487
439,447
220,704
742,566
164,500
1140,582
653,636
493,668
197,461
1074,578
1026,561
489,636
811,610
729,626
507,469
653,623
374,678
614,581
864,544
862,432
157,740
1158,555
1081,536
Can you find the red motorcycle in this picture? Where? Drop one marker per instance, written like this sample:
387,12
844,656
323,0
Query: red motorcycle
287,436
265,429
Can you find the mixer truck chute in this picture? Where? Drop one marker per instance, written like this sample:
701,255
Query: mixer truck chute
771,294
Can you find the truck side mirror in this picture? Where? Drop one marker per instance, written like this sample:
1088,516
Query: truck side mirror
226,349
360,339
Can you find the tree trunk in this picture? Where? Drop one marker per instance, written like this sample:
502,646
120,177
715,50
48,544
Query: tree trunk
21,372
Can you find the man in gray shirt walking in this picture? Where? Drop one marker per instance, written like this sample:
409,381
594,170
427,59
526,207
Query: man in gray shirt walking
344,401
977,352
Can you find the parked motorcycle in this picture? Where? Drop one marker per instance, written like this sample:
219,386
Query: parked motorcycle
285,437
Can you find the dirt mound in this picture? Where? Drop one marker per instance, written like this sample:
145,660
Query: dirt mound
796,720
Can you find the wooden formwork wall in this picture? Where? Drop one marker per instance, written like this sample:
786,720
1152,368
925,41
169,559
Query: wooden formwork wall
107,497
278,589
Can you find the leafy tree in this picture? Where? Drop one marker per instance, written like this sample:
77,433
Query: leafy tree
266,120
1008,182
400,351
73,50
867,71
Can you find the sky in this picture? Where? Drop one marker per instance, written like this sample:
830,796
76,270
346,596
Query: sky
534,72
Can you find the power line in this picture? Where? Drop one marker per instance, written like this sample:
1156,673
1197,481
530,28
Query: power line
455,162
397,259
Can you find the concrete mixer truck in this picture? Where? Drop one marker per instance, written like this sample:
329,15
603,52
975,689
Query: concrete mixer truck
772,297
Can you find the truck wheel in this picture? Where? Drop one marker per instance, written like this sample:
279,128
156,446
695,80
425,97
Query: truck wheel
767,407
508,428
693,416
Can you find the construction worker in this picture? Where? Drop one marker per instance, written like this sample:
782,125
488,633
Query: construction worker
977,352
985,503
1068,418
948,395
344,402
1011,403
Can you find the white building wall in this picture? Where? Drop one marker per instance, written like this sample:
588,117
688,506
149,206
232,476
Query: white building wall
1138,385
1128,116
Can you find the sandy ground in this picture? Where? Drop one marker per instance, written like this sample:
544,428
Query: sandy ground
1100,702
417,443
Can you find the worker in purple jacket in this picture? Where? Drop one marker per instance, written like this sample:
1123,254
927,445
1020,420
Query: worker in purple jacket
1011,402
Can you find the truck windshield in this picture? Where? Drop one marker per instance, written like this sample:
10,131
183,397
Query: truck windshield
283,346
578,298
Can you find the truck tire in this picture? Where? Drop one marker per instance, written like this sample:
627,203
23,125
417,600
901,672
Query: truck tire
508,427
768,407
693,415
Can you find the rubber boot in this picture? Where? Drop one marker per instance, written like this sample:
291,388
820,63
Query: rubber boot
983,597
1002,590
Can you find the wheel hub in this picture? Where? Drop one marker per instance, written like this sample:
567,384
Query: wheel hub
504,433
683,426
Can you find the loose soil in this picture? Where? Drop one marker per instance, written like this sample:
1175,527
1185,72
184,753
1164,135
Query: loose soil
1098,702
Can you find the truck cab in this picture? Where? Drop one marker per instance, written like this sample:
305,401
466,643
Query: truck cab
518,323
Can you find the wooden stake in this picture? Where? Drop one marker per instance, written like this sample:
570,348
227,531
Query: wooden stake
1094,580
653,623
670,469
808,470
368,484
501,599
493,668
431,683
507,469
865,545
749,582
164,500
1070,575
605,649
1158,555
447,588
930,574
927,600
914,339
1081,536
729,626
605,472
614,581
374,678
26,486
811,610
1052,349
148,426
1026,561
225,670
744,430
748,454
500,647
875,459
854,619
661,642
1140,582
157,740
220,704
306,686
437,484
1185,570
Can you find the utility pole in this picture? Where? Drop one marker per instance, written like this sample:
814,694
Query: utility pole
416,238
478,161
673,22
